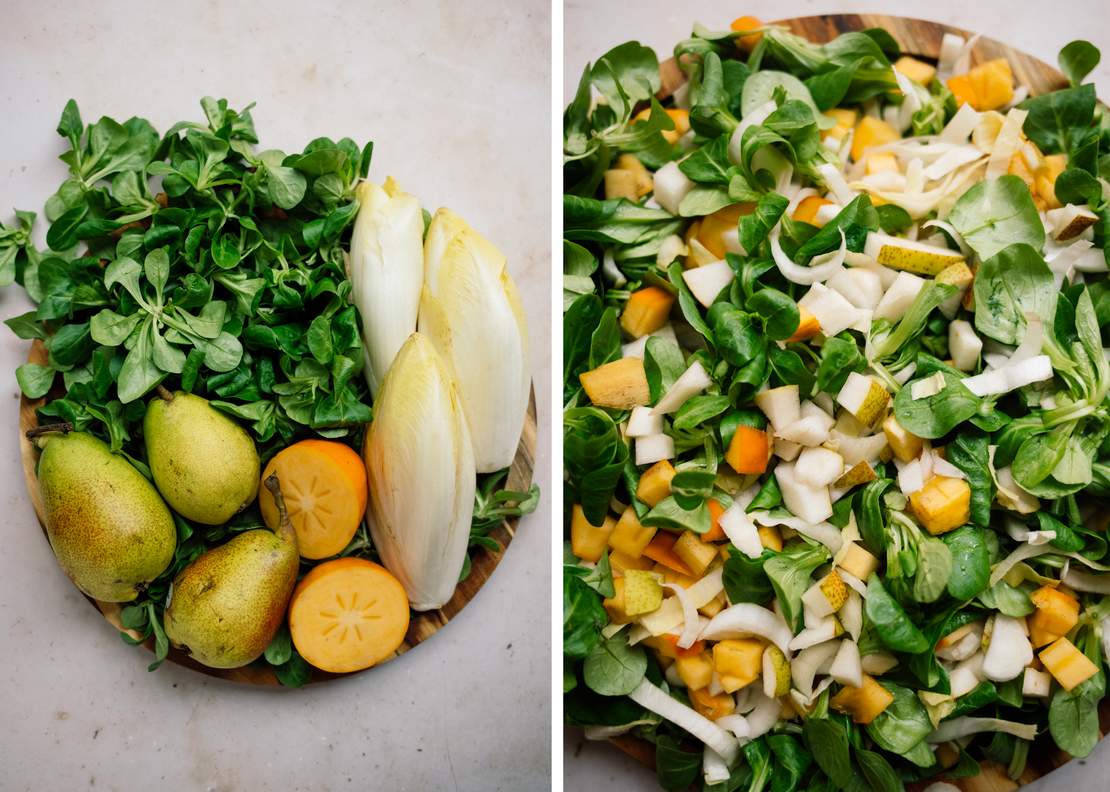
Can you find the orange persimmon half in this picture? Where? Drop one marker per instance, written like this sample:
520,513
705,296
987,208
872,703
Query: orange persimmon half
348,614
324,484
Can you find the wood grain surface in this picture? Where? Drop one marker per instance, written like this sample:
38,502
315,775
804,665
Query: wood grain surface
422,625
921,39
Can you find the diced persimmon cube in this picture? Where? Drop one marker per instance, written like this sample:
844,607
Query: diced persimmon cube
749,450
655,483
621,384
588,541
871,132
695,553
916,70
646,311
1056,614
629,537
1069,666
695,670
942,504
864,703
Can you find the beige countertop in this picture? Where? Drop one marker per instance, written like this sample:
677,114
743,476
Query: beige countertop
468,710
591,27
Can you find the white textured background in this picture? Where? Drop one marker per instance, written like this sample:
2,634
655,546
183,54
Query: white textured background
455,96
591,27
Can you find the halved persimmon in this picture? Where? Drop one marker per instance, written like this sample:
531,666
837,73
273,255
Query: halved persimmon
348,614
324,484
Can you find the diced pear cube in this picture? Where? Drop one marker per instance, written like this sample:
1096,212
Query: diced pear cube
942,504
827,595
860,473
1067,664
642,592
1036,684
960,276
695,554
864,397
629,536
588,541
776,672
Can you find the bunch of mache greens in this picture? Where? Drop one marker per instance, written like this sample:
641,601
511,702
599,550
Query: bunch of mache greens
836,427
194,261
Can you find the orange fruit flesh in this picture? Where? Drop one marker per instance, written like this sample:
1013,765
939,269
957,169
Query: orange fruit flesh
325,491
347,615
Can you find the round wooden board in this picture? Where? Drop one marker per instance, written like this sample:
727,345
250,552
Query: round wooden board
421,627
921,39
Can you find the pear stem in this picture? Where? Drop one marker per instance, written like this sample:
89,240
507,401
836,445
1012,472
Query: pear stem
164,394
64,427
285,525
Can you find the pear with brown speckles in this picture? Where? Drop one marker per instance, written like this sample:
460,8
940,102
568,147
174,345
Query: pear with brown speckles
204,463
226,606
107,525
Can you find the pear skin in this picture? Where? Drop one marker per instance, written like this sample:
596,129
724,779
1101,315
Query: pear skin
226,606
109,528
205,465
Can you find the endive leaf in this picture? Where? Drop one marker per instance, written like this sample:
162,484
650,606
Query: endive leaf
421,473
471,312
387,270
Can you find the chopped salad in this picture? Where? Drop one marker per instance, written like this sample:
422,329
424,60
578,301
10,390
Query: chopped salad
836,432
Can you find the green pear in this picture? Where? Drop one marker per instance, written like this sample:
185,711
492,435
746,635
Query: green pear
226,607
109,528
205,464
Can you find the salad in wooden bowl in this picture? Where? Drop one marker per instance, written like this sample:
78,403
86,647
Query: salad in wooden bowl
836,430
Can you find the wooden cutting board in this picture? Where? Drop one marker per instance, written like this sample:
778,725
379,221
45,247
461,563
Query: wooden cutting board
422,625
921,39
